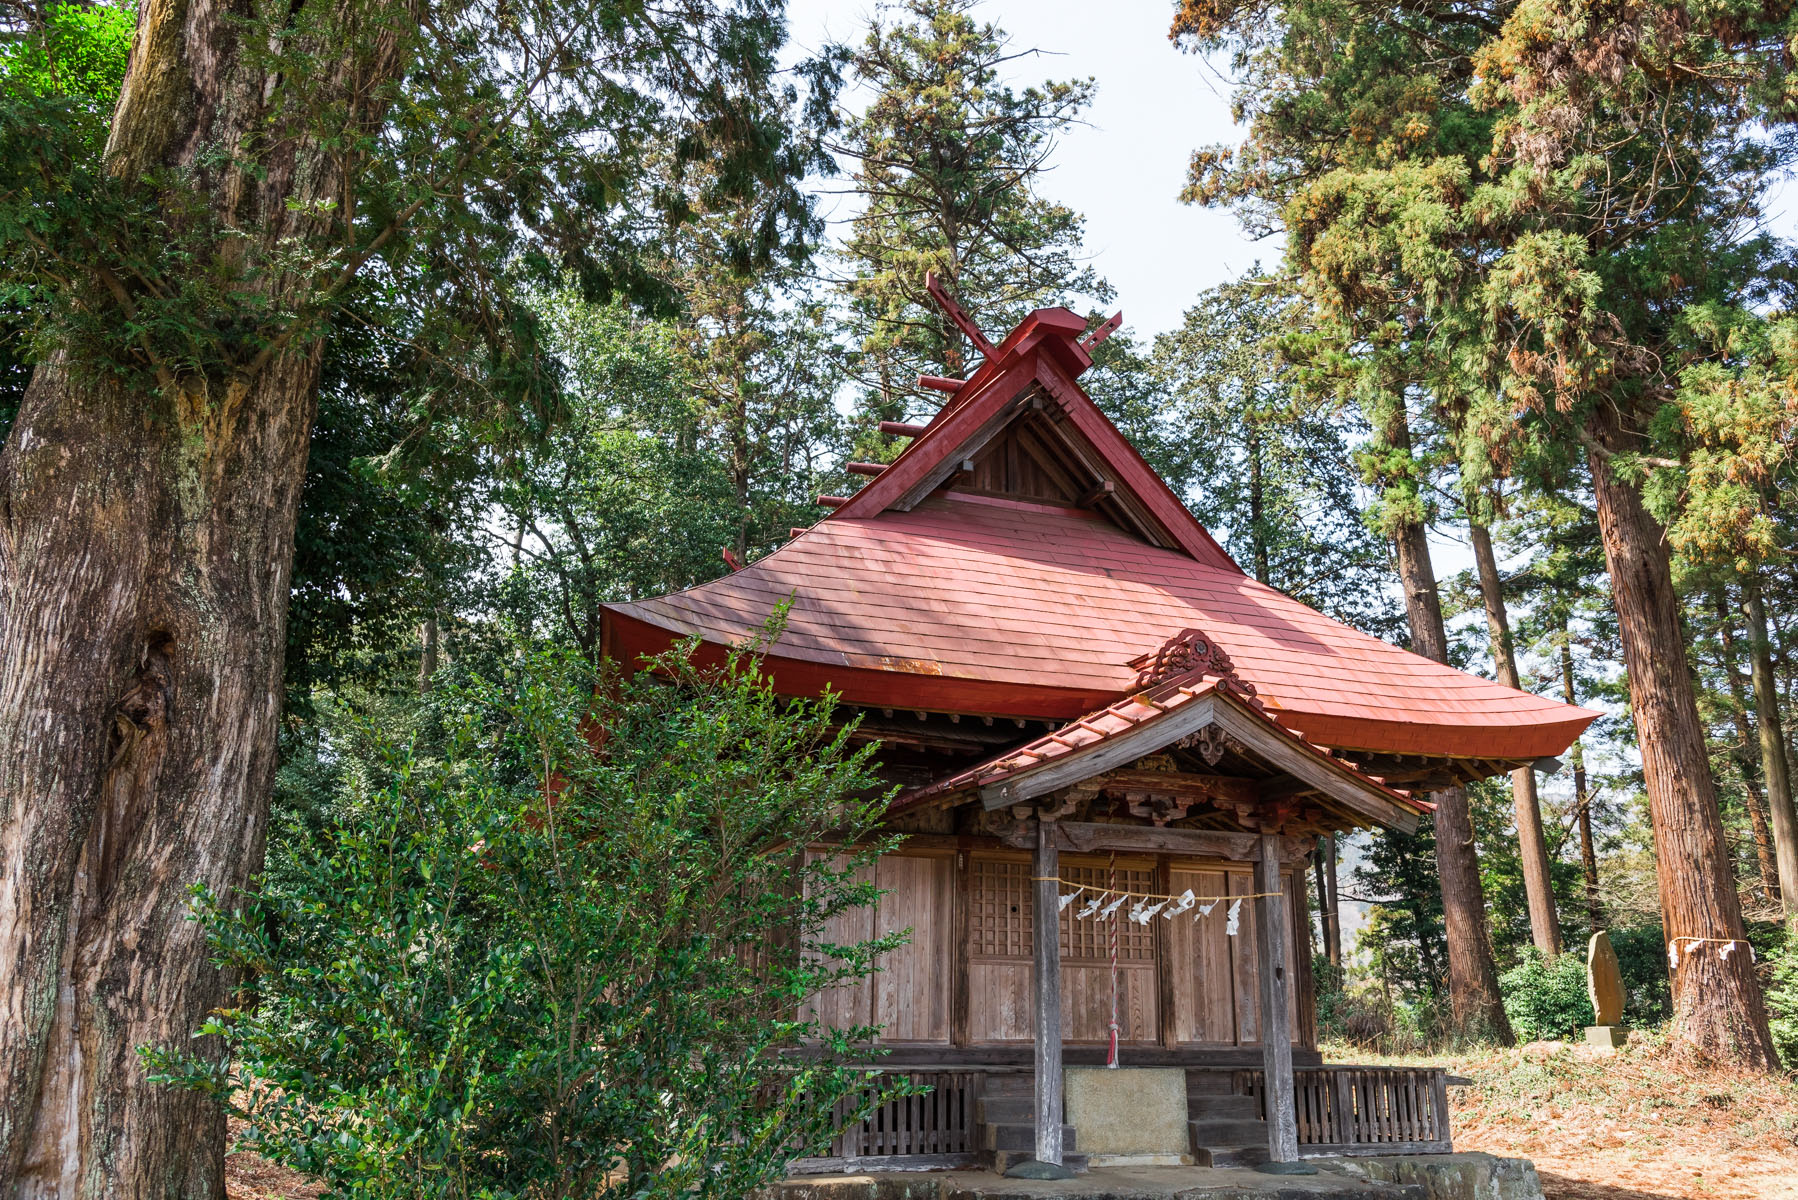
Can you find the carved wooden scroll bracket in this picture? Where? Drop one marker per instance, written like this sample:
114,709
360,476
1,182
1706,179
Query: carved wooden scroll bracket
1189,651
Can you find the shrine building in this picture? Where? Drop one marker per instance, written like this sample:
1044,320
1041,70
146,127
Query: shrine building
1117,754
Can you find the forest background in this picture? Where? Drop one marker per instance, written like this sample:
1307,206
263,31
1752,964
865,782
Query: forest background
1501,313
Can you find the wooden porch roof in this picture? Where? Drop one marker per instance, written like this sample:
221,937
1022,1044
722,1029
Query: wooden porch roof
1160,716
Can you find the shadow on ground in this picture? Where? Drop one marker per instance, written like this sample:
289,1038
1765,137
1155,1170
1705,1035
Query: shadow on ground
1560,1187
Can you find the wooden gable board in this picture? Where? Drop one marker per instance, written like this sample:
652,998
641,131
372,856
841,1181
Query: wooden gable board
988,403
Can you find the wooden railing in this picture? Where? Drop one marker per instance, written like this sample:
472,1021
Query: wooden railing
934,1128
1366,1110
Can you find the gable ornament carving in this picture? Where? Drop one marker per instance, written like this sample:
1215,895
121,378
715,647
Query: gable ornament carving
1189,651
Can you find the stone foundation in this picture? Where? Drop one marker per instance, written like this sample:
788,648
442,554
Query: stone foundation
1399,1177
1471,1176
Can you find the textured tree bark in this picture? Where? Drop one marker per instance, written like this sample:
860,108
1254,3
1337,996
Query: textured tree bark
1746,760
1582,799
1532,846
1774,768
1717,1006
1479,1009
146,540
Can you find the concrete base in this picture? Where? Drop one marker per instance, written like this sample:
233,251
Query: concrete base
1129,1112
1140,1160
1471,1176
1607,1037
1030,1168
1287,1168
1396,1177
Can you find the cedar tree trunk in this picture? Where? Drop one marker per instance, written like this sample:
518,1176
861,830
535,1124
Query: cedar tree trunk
1532,845
1329,916
1774,768
1717,1005
1479,1009
1744,755
1582,799
146,539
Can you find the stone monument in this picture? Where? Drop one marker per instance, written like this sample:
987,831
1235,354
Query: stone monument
1130,1117
1604,984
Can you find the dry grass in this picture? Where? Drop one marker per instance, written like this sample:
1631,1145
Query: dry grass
1639,1124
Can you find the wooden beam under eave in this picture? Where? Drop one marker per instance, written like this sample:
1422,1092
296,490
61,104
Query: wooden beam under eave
1360,796
1086,837
1183,784
1111,753
1096,493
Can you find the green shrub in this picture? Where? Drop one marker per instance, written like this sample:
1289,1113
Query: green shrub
1546,999
1642,961
1781,971
534,968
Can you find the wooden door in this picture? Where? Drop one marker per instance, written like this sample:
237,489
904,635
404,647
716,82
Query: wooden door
913,992
1217,981
1086,959
1000,967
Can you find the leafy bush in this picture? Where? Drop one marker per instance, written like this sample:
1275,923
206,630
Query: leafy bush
1781,971
1546,999
534,968
1642,961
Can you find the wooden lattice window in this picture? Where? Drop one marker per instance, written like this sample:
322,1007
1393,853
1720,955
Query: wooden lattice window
1091,938
999,909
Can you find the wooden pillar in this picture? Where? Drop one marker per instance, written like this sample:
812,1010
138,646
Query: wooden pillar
1276,1003
1046,940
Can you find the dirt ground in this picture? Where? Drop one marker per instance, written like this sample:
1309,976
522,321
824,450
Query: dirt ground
1635,1125
248,1177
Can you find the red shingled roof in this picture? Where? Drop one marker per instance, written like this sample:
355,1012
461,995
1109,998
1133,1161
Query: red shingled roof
911,597
974,605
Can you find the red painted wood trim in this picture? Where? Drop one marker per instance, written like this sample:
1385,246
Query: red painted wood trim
627,639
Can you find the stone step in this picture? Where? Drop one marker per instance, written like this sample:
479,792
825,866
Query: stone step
1227,1133
1005,1159
1001,1110
1203,1107
1021,1136
1210,1083
1230,1156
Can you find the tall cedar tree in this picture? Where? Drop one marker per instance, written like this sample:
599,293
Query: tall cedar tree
766,368
261,161
1518,208
948,159
1532,842
1267,468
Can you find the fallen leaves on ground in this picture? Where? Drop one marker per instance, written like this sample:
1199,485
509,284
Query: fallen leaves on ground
249,1177
1639,1124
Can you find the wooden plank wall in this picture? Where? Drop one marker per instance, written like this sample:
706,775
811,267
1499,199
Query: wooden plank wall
910,996
982,899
